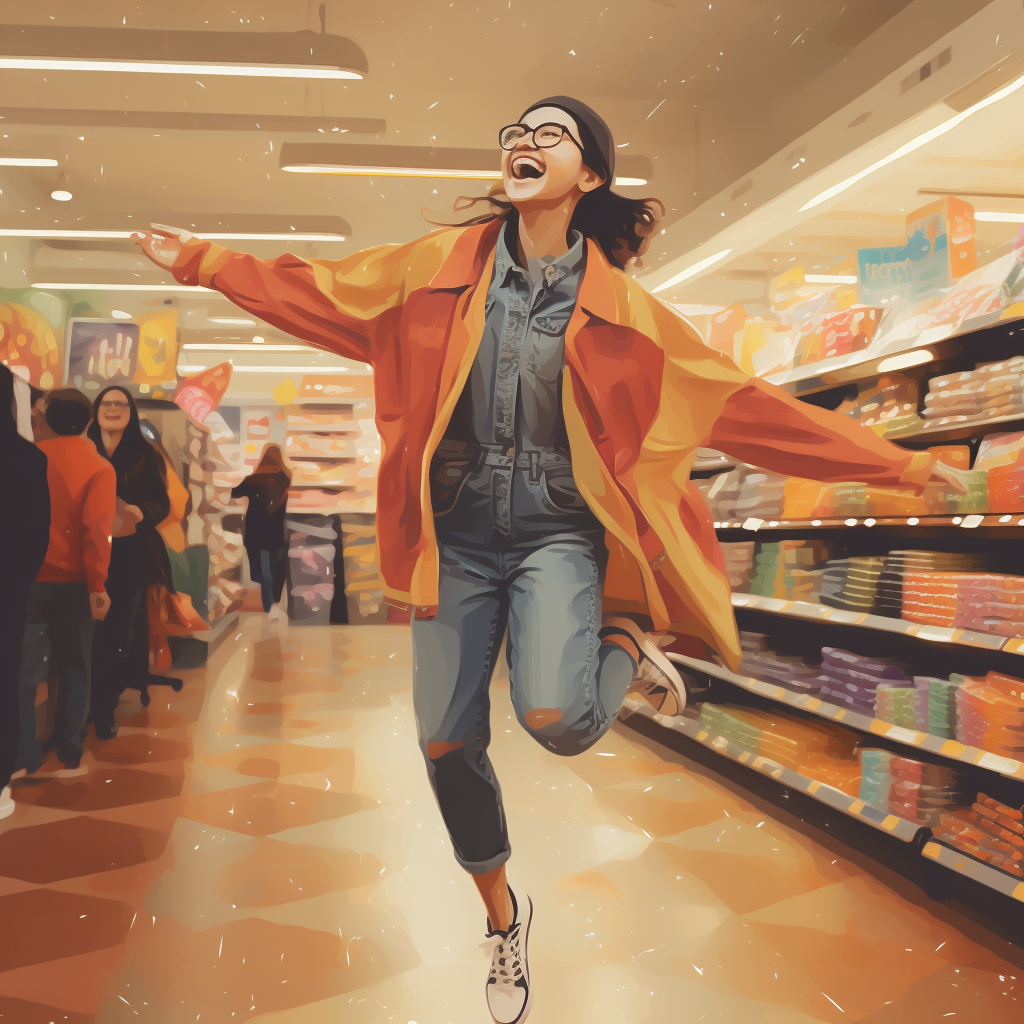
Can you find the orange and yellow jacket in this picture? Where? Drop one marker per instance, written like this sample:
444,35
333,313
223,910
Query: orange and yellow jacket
641,392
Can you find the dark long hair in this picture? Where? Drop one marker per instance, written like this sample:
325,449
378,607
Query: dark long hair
278,476
621,226
133,444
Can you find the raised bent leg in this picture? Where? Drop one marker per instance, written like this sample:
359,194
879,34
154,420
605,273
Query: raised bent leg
567,686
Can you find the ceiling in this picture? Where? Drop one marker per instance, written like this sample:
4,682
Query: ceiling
704,91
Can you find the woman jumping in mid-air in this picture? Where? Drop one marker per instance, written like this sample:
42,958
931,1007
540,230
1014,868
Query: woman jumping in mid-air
539,413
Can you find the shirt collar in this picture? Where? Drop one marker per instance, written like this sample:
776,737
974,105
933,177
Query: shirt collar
564,266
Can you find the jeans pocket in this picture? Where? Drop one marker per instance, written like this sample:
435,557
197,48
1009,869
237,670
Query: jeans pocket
560,490
450,468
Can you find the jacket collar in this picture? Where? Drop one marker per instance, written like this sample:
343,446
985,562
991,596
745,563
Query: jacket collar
465,264
602,293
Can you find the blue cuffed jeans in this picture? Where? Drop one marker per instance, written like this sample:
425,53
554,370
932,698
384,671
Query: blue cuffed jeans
566,686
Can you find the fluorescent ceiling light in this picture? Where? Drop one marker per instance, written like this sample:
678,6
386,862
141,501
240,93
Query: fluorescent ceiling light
905,359
234,321
693,270
830,278
120,314
393,172
62,195
695,309
996,217
914,144
190,368
263,236
382,171
203,347
27,161
62,286
161,67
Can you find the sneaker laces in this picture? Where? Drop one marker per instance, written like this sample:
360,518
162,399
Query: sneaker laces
506,963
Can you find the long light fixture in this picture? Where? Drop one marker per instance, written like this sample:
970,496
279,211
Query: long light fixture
998,217
415,172
217,236
233,321
27,161
831,278
149,51
172,68
914,144
693,270
63,286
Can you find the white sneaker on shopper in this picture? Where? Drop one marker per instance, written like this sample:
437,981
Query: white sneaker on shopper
7,804
657,680
509,991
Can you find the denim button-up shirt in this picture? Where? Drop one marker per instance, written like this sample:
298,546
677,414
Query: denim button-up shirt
512,404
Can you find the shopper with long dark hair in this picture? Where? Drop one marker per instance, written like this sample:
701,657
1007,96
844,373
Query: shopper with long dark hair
266,489
539,414
138,558
24,537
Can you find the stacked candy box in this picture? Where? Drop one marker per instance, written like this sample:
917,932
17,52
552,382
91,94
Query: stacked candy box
852,583
800,497
760,495
1001,456
722,492
921,791
990,603
739,563
875,779
784,670
989,830
991,390
846,499
898,702
851,680
936,705
789,568
990,714
738,725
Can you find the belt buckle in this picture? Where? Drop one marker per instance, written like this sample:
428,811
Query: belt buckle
534,467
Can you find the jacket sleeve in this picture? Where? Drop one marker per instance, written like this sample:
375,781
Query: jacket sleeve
155,503
98,522
764,425
333,304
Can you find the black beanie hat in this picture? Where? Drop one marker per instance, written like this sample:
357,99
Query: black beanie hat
599,132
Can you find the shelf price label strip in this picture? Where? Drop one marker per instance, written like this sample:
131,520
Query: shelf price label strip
936,634
821,791
925,741
949,858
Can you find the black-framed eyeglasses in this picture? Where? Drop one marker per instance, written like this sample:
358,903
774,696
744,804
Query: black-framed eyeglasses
545,136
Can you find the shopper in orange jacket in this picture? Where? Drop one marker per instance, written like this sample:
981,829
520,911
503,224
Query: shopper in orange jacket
69,595
539,413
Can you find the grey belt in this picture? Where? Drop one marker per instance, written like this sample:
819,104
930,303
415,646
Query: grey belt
535,461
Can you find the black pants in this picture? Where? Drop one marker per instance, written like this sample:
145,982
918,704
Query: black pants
13,598
268,568
61,612
120,649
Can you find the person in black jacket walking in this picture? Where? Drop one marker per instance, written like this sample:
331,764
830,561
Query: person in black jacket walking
138,558
24,537
263,530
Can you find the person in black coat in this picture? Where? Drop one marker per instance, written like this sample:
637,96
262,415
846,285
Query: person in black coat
24,538
263,529
138,558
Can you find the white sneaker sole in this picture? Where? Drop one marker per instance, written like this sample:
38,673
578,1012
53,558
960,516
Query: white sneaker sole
654,655
522,901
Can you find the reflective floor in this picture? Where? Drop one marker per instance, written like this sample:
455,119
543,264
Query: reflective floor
264,847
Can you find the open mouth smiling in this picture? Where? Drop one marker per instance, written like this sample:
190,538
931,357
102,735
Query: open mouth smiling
525,166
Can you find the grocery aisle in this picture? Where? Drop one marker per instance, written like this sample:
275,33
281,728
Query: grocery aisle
274,854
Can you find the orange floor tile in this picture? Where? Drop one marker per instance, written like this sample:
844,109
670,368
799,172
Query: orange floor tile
264,847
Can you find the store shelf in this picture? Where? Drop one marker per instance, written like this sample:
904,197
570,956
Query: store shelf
820,791
967,521
964,864
838,616
962,431
951,749
828,373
